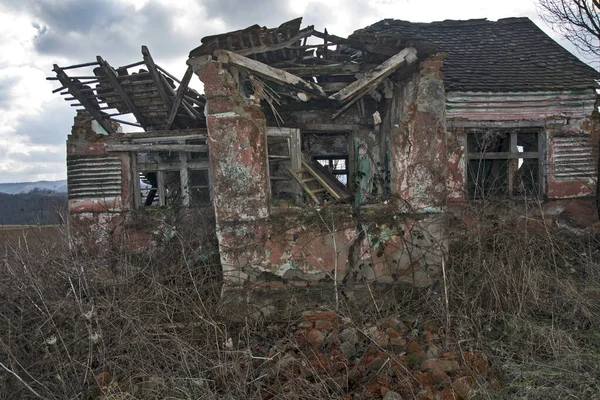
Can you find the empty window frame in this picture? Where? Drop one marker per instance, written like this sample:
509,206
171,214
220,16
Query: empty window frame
169,178
503,163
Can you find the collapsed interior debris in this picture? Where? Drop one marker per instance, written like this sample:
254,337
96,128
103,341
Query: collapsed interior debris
394,129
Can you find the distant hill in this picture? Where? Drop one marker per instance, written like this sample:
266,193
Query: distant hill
26,187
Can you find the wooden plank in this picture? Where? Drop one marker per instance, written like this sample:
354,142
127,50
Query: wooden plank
162,134
179,139
156,76
356,44
296,174
375,76
296,154
85,102
112,78
121,121
135,64
330,87
80,65
329,188
179,97
184,178
306,32
151,167
167,73
270,73
324,70
325,49
149,148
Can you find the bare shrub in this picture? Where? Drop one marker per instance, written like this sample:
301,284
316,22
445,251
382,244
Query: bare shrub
530,296
144,319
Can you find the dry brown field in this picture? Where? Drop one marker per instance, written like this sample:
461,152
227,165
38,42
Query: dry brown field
30,236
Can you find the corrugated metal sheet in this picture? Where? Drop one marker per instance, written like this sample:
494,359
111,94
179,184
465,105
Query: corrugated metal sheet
518,106
573,157
93,177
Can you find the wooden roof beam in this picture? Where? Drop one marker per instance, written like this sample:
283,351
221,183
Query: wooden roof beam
112,78
375,76
357,44
306,32
83,99
156,76
357,89
269,73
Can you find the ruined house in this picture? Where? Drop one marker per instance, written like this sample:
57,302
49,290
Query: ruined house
345,160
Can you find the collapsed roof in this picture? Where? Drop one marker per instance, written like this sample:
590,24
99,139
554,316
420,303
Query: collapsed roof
308,69
155,98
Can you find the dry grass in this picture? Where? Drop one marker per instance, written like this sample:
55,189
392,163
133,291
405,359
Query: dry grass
529,299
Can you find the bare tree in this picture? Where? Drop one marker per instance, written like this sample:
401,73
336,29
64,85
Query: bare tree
577,20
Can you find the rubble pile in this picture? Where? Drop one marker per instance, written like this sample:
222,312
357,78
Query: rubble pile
389,360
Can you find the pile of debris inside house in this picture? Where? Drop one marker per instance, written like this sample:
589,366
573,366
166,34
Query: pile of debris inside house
345,160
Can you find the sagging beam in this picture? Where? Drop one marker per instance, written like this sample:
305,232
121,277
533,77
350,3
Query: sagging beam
272,74
112,78
149,148
83,99
374,77
306,32
179,97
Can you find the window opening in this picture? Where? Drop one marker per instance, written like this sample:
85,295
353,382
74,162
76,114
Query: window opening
503,163
169,178
331,150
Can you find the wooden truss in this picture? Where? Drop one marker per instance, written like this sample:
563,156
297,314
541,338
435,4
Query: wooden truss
156,99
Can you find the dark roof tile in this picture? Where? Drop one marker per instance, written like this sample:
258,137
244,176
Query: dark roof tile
510,54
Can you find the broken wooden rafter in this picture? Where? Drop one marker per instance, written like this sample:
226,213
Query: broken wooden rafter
370,80
356,44
269,73
157,77
179,97
112,79
80,65
122,121
83,99
375,76
306,32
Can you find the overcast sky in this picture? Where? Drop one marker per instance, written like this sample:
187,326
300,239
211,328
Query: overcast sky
35,34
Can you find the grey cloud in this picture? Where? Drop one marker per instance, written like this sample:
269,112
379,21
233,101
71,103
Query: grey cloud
39,157
34,171
355,13
80,30
239,14
7,83
50,127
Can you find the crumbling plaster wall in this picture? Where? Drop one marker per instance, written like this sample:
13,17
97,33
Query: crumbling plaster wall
416,123
99,183
304,246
